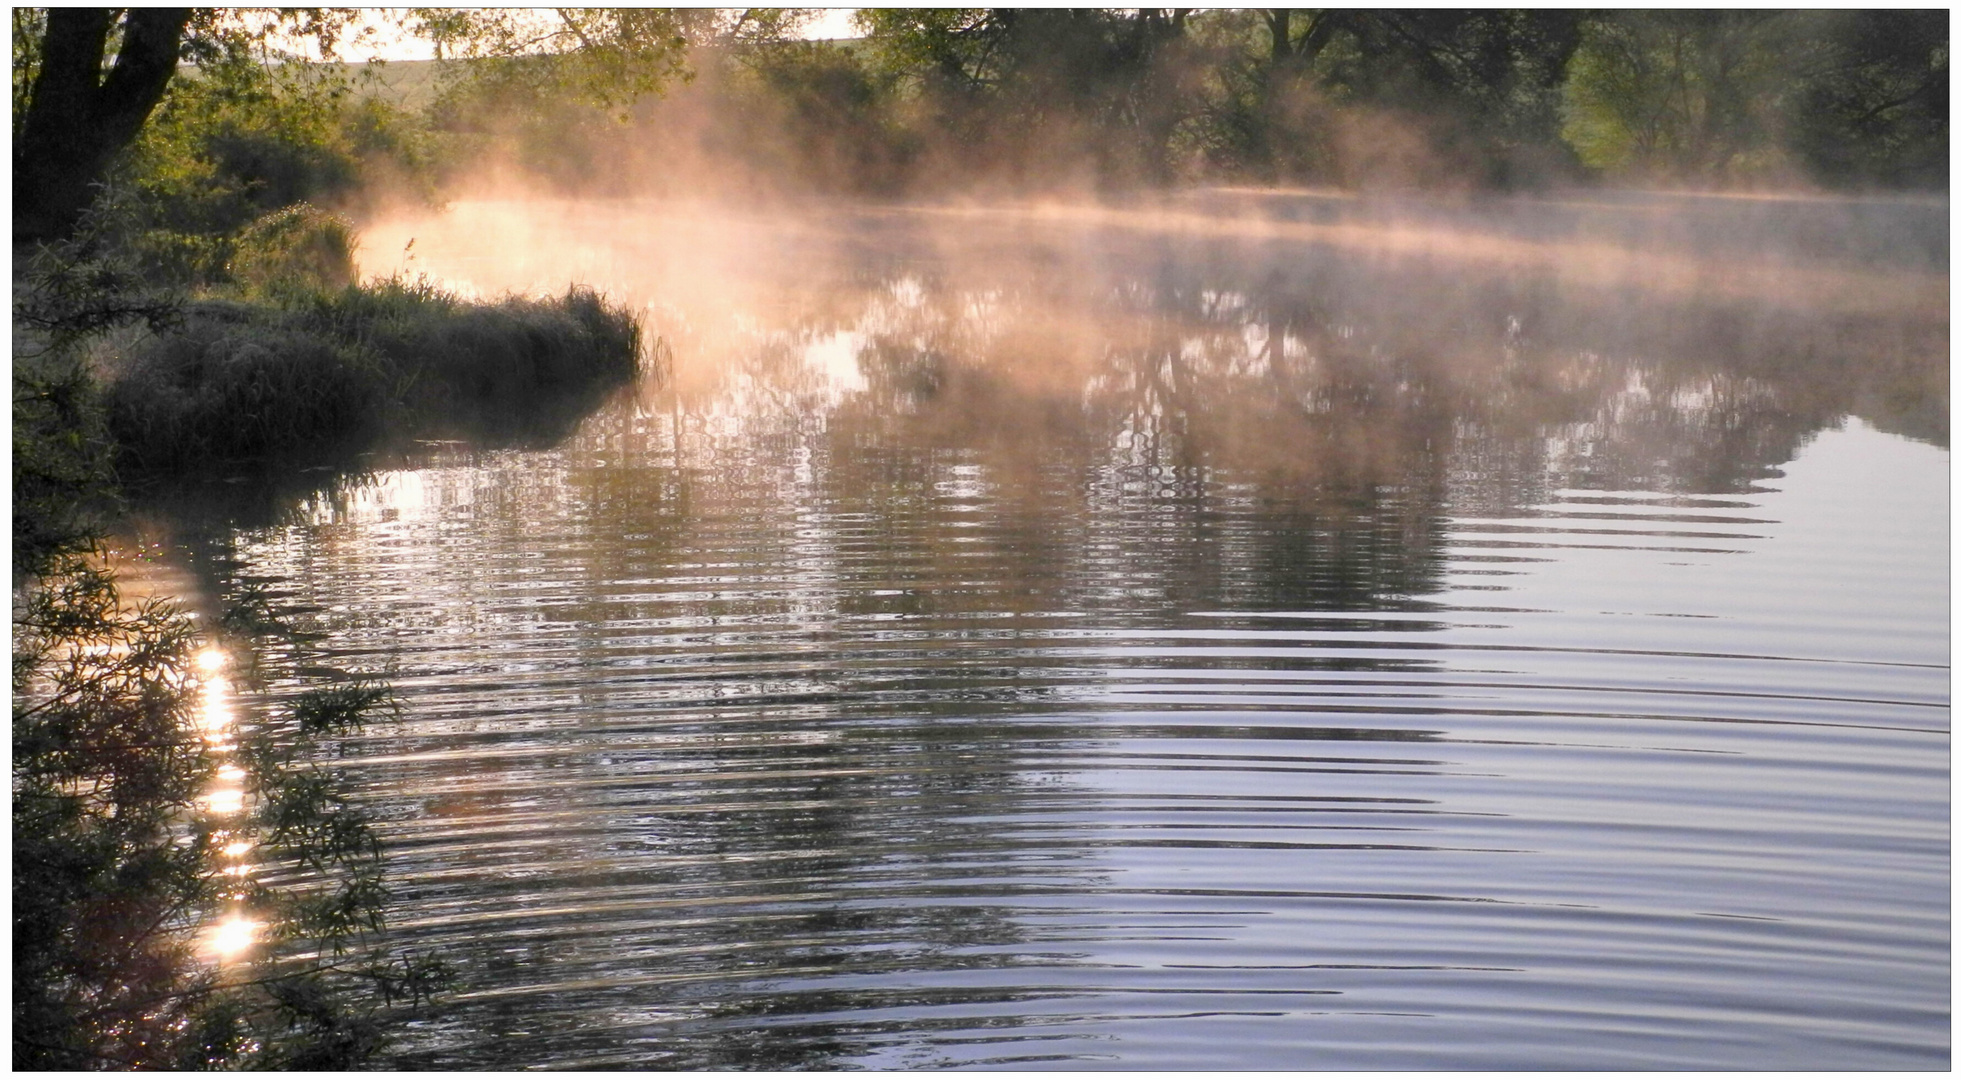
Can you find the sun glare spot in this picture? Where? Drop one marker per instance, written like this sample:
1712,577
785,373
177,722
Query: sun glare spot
211,659
225,801
215,718
232,936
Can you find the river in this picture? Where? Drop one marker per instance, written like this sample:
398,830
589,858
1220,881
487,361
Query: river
1249,630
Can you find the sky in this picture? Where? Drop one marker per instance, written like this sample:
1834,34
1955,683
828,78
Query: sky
387,42
833,23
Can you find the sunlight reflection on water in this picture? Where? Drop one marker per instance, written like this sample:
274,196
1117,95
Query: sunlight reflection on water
231,933
232,936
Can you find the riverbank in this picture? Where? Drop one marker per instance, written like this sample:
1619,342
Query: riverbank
190,888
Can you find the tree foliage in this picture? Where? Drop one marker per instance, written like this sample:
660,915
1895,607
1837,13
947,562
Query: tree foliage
121,859
1874,113
1682,94
1842,99
1028,97
1321,94
605,56
242,141
1063,91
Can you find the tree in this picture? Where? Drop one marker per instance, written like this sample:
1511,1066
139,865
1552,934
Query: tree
1875,113
1688,95
1843,98
77,116
1485,84
1288,52
1351,95
1043,89
87,80
604,56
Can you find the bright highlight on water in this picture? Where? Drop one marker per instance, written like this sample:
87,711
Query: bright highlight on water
233,936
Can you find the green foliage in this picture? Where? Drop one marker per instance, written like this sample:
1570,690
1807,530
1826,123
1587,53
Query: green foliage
933,98
1874,114
1035,96
294,248
603,56
118,864
826,115
1261,117
1484,85
107,767
327,991
68,294
1687,95
80,106
81,286
952,45
552,91
61,460
29,26
1843,99
241,140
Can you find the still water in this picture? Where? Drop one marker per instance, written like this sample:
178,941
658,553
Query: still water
1250,631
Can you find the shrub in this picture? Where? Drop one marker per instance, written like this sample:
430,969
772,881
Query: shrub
117,869
239,147
66,295
106,765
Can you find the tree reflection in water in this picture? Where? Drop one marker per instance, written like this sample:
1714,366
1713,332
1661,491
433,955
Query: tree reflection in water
770,721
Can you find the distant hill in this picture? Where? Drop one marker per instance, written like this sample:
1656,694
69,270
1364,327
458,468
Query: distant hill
412,84
409,84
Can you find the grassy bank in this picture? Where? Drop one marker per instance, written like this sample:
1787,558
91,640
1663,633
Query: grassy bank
315,378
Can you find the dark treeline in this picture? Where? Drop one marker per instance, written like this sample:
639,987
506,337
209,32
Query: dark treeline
927,102
932,100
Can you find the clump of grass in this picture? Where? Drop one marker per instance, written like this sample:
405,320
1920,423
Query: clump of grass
514,369
297,248
232,385
316,375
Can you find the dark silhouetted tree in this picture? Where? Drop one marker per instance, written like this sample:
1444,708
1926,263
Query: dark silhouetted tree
82,108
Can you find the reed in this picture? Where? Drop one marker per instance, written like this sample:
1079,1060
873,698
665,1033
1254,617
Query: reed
298,247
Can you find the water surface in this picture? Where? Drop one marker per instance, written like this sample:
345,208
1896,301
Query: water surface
1253,632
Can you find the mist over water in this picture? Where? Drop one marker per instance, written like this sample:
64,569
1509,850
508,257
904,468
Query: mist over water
1244,629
